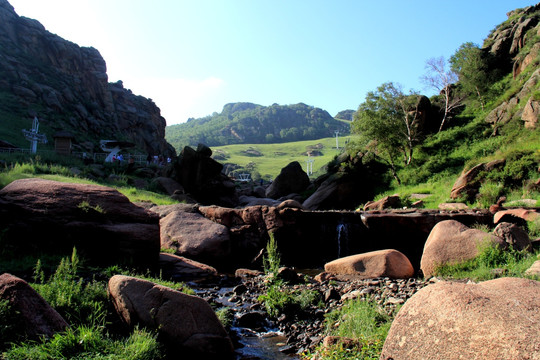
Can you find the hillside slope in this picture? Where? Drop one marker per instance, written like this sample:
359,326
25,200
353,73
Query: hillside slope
247,123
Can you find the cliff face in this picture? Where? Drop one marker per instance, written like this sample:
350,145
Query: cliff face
67,87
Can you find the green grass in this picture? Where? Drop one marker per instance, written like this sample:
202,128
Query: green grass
510,262
50,170
277,156
83,303
83,342
362,320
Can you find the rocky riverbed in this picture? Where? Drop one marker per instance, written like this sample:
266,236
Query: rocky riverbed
288,335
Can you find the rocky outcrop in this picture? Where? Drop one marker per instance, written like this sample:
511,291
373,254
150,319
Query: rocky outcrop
35,317
69,85
511,48
382,263
388,202
451,242
291,179
44,215
505,42
202,177
469,182
496,319
514,236
186,323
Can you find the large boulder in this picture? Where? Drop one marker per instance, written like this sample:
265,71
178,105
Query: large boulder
192,235
496,319
202,177
513,235
183,269
44,215
35,317
291,179
186,323
381,263
452,242
388,202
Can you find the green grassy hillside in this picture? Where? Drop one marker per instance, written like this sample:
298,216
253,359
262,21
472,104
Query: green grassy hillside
267,160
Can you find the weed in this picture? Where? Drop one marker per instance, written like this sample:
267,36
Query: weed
272,259
226,316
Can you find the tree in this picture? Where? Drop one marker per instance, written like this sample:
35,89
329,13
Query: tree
472,67
442,79
387,123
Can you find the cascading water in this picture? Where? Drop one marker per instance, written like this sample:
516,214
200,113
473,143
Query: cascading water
342,238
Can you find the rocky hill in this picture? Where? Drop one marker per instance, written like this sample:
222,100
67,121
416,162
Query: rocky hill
247,123
67,87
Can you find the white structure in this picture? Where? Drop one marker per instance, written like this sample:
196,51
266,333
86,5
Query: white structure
337,142
33,135
309,166
244,177
113,147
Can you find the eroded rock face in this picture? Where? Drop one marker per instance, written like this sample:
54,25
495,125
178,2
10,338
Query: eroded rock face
452,242
36,317
187,323
382,263
70,85
104,226
496,319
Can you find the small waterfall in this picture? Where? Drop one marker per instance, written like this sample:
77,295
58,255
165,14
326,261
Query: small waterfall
342,239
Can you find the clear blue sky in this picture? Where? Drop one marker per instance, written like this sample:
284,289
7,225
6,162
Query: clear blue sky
192,57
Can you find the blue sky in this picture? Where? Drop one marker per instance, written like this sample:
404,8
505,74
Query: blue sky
192,57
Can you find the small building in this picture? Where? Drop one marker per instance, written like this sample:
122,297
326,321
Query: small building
62,142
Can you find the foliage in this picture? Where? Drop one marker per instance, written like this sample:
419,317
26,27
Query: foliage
76,301
83,342
359,319
272,258
225,316
386,125
510,261
246,123
280,300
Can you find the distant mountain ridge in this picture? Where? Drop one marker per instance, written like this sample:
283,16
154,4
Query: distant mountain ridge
66,86
248,123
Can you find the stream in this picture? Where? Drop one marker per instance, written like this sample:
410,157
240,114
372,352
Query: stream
264,343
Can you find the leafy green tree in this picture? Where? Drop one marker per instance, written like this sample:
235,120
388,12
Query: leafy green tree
472,67
387,124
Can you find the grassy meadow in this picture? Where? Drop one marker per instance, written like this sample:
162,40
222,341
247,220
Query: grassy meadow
267,160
